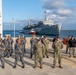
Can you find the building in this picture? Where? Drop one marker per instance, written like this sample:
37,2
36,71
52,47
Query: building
0,16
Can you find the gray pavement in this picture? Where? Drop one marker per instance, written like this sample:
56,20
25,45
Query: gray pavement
69,66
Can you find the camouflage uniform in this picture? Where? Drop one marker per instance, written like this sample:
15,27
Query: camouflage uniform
18,55
67,45
57,52
2,54
42,39
5,41
38,49
0,39
10,46
46,50
23,41
32,42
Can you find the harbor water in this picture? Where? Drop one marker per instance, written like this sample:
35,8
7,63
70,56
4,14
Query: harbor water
63,33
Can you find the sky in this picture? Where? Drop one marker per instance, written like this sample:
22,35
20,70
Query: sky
61,11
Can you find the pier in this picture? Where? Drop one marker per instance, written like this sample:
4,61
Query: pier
69,64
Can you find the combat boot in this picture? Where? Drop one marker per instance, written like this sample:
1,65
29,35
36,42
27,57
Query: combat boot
54,66
23,66
14,66
43,56
31,55
41,67
60,66
47,56
70,56
66,51
35,67
74,56
7,56
10,54
3,67
25,51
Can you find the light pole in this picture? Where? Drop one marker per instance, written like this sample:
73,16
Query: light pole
14,26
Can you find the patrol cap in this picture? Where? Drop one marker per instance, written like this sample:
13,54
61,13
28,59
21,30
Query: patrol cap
72,36
39,39
22,34
58,37
45,36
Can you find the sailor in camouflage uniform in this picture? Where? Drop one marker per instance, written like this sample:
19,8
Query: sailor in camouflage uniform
10,45
57,45
18,53
23,41
33,41
5,41
38,49
0,38
42,39
2,49
67,43
46,46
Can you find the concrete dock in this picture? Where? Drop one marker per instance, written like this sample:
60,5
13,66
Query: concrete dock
69,64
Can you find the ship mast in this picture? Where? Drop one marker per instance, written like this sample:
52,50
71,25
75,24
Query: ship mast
45,12
29,22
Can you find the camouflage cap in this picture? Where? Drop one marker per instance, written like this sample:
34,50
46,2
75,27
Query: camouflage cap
39,39
58,37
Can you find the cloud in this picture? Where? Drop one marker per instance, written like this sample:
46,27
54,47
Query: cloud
52,4
74,8
62,11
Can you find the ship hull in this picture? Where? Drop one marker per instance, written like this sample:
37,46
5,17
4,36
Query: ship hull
46,30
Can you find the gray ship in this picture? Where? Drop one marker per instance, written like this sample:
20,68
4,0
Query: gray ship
46,27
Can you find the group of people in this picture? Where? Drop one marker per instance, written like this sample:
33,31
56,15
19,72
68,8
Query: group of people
58,45
39,49
7,48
